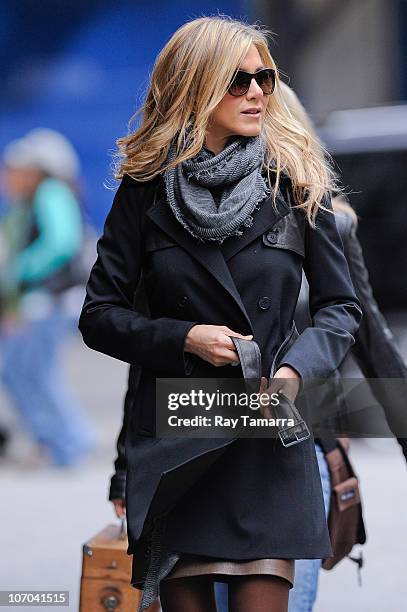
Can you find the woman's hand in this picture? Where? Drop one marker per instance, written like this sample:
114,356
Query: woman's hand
285,380
213,344
119,507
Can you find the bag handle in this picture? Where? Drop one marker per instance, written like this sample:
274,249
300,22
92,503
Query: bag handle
123,528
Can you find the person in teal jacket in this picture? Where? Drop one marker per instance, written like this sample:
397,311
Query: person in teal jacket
40,283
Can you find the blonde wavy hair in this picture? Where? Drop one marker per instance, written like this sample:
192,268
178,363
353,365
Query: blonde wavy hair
339,201
190,77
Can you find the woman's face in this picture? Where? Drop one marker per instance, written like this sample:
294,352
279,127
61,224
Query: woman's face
228,119
20,183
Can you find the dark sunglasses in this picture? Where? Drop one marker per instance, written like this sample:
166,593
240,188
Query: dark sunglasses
240,84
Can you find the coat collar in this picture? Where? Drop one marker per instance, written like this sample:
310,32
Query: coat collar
212,256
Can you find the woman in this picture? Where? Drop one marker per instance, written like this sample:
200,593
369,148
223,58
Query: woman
217,162
373,338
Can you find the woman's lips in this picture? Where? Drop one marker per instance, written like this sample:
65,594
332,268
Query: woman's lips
251,114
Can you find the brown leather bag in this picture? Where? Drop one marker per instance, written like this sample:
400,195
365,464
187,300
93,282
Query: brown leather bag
345,519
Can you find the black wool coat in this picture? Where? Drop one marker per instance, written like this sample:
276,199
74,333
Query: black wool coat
372,340
229,498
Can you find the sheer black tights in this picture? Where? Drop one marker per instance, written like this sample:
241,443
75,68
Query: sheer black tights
193,594
257,593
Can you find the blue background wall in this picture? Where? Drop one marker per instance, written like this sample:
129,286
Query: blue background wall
82,68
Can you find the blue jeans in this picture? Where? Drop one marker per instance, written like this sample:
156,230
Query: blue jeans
221,596
31,374
304,593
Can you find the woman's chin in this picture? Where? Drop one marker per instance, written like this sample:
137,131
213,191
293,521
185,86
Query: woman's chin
253,130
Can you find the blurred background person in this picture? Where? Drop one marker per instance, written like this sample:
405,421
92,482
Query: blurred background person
41,284
376,354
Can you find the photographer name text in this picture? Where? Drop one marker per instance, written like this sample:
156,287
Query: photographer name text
243,420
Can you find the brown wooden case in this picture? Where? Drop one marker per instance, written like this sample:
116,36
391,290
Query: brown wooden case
106,574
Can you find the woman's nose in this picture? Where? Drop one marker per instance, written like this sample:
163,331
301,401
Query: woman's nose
255,91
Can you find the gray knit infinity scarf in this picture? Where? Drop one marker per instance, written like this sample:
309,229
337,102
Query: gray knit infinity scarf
234,174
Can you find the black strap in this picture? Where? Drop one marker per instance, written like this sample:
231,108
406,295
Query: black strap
250,361
250,357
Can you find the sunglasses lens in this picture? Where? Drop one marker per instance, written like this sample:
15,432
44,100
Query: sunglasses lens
266,81
240,85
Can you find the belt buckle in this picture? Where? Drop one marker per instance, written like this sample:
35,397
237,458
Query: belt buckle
294,434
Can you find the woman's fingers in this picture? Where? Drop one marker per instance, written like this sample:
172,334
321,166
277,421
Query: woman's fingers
230,332
213,343
230,344
263,386
225,356
119,507
275,385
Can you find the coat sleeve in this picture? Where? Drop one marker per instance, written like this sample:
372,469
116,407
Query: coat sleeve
108,321
334,308
117,489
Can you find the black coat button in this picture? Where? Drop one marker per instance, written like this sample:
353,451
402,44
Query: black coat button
183,301
272,235
264,302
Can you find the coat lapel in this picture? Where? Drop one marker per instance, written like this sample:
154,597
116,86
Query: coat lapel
263,219
210,255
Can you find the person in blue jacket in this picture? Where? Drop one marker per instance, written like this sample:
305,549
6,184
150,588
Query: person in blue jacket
40,288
